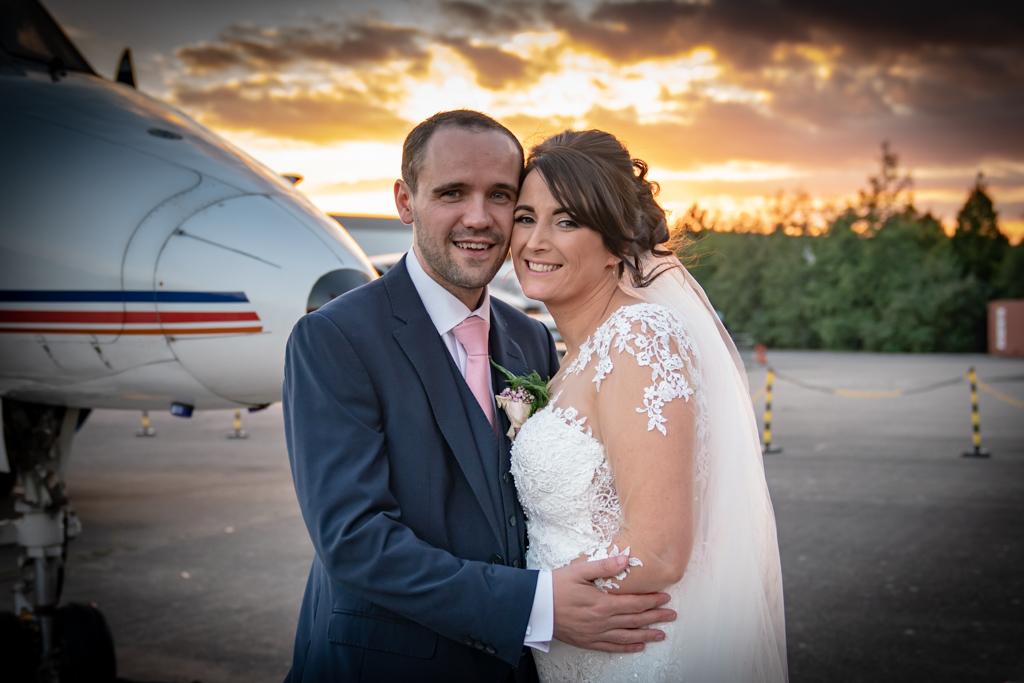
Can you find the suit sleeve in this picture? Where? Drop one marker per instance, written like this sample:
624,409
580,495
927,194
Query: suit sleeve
340,466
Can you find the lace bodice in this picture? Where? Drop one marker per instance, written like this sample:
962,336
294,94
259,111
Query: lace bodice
566,487
562,474
564,479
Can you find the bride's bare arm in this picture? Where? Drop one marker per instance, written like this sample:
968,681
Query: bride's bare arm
654,472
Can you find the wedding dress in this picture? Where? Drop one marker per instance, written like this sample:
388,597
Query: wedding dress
730,626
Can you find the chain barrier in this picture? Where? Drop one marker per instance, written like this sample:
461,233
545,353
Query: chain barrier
976,452
896,393
1000,395
889,393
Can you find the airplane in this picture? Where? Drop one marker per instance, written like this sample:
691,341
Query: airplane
145,264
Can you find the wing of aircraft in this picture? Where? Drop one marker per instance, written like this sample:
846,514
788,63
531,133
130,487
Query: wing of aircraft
145,263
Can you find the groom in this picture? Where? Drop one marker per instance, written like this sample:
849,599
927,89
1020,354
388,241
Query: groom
400,459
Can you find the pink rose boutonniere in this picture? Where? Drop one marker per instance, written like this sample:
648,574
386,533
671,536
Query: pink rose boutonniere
525,395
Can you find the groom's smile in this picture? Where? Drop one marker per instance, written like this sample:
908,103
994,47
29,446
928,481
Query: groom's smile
472,246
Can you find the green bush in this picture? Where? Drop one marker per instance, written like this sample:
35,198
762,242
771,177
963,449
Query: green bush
897,285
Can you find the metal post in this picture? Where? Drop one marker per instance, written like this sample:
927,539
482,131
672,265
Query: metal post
977,451
768,447
146,429
239,433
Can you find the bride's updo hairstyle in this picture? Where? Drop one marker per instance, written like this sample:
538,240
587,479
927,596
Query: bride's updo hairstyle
591,175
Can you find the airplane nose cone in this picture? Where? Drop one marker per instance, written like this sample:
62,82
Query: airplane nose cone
261,263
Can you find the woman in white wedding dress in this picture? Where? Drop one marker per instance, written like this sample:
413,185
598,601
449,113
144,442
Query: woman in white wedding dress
649,446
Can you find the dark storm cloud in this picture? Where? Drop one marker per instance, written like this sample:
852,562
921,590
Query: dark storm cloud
354,44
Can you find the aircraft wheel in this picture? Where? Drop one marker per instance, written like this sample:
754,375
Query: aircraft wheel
7,481
86,645
17,649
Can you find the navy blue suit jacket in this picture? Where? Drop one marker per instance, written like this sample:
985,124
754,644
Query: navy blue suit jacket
404,487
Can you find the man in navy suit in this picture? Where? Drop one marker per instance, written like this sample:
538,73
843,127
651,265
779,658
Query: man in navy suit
403,477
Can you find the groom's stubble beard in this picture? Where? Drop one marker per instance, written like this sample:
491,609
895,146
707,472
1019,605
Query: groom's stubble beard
436,254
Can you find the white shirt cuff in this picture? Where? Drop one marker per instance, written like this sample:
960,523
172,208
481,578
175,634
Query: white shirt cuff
541,627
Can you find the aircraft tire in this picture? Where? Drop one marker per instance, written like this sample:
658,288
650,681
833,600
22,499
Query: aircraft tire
86,645
17,649
7,481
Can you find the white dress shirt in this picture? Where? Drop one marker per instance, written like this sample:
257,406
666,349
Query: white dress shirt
446,311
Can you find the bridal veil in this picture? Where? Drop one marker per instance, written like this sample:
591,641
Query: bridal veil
730,604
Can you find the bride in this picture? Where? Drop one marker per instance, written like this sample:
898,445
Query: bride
649,446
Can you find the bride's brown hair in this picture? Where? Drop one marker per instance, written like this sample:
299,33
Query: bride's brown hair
592,176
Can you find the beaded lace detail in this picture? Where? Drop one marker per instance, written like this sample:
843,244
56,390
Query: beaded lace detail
567,487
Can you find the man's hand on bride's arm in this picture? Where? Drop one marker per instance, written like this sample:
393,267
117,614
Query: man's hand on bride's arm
588,618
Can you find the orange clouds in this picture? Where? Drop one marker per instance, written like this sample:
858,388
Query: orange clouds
350,45
812,87
337,115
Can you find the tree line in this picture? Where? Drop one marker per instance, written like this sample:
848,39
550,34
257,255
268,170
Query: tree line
876,276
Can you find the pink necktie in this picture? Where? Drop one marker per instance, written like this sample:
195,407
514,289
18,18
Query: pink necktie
472,334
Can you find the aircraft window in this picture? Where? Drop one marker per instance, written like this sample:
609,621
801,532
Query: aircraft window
27,31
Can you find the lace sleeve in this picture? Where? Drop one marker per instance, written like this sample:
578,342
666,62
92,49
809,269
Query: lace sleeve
656,339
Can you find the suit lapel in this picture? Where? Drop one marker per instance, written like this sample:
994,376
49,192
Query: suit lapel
421,343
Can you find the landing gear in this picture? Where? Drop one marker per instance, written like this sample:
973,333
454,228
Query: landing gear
70,643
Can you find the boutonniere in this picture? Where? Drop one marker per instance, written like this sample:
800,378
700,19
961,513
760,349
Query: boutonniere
525,395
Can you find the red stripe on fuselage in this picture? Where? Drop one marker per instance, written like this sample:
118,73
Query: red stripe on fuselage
112,332
123,317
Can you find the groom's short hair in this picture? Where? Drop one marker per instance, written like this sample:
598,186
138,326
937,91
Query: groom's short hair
416,142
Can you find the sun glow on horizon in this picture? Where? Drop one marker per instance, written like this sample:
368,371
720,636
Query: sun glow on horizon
663,108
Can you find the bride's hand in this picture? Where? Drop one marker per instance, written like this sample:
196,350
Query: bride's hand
588,618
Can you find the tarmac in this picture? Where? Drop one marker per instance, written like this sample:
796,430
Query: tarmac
902,560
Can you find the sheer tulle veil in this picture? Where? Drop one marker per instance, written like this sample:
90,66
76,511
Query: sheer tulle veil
731,604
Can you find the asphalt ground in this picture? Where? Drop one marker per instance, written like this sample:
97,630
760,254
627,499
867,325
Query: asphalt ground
902,560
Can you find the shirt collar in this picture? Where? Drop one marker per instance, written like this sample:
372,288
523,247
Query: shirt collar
443,307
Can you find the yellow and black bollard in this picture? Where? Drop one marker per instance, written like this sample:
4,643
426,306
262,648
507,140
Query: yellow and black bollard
239,433
768,447
977,451
146,429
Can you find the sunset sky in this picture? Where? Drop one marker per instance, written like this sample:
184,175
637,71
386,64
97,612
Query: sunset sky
730,101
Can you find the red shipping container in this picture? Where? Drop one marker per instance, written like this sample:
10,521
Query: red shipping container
1006,327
